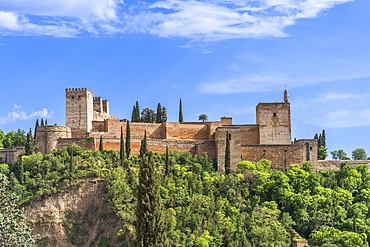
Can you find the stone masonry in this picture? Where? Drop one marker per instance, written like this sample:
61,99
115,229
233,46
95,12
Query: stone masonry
88,118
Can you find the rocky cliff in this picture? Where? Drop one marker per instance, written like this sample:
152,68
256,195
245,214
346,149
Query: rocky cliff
80,216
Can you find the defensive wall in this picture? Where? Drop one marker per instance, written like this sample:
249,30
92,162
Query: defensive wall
335,165
10,155
88,119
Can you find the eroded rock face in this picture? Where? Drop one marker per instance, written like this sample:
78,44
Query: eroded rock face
80,216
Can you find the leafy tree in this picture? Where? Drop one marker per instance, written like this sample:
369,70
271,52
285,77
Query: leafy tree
359,154
150,228
148,115
203,117
128,141
121,148
101,149
13,228
227,154
339,154
323,153
181,118
15,139
143,146
159,114
2,138
30,143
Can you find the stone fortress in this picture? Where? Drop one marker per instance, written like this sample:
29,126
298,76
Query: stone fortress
88,118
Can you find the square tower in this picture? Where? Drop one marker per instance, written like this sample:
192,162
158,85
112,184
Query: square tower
274,124
79,110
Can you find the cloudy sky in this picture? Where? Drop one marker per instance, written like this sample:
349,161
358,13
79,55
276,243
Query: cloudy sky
221,57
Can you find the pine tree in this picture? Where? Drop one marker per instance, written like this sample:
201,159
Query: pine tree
42,122
150,225
181,118
167,161
30,143
122,148
159,114
227,154
101,144
128,136
137,112
143,147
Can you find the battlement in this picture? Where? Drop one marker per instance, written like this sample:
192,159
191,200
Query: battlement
76,90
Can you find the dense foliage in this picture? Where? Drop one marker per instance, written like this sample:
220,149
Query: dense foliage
253,206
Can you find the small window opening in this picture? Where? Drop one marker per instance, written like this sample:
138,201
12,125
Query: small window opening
79,96
274,114
311,148
73,97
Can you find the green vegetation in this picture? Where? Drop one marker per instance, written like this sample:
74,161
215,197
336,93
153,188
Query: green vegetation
253,206
13,139
203,117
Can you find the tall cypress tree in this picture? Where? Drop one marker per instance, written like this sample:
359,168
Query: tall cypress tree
122,148
323,138
137,112
159,114
133,117
167,161
128,136
42,121
150,225
101,144
30,143
36,125
46,122
143,147
181,118
227,154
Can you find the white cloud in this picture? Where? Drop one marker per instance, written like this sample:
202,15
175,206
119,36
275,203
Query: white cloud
204,20
18,114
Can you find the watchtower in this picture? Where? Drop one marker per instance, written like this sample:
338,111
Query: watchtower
273,120
79,110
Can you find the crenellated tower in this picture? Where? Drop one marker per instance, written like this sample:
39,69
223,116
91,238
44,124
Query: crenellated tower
79,110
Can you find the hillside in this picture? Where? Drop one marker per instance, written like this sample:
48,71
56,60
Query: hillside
80,216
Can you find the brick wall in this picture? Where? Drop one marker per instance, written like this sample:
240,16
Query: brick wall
249,134
84,143
47,137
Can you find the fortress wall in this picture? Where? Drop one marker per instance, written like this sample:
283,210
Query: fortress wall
280,155
154,145
249,134
207,147
335,165
187,131
84,143
48,136
233,133
98,126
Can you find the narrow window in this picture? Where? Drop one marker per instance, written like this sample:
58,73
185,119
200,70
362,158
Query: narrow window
274,114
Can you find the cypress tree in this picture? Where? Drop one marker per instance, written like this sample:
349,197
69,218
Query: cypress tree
71,165
128,148
159,114
122,148
143,147
323,138
30,143
133,117
137,112
181,118
150,226
164,114
167,161
101,144
42,122
46,122
36,125
227,154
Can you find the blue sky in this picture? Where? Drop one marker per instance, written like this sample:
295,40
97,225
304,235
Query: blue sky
221,57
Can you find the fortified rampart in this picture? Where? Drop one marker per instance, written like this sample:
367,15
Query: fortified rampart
88,119
335,165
